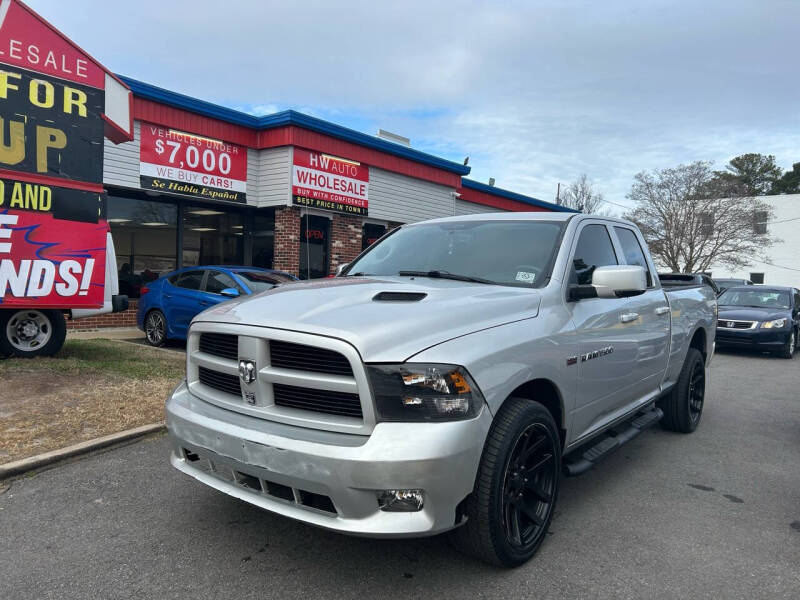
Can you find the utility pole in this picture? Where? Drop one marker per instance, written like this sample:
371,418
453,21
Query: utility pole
558,194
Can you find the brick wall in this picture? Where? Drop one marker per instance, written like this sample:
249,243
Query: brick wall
345,239
122,319
287,240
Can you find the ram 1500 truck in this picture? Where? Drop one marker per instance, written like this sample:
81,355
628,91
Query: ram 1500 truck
445,380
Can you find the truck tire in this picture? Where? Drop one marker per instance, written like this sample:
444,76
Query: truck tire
31,332
683,405
510,508
790,346
155,328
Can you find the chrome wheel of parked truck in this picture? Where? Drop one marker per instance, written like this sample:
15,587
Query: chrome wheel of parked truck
445,380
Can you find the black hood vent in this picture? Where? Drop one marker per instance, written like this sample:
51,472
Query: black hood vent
399,296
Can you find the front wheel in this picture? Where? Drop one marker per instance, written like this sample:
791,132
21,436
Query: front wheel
790,346
155,328
683,405
30,333
516,488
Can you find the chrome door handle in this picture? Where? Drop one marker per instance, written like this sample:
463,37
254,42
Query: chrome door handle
662,310
628,317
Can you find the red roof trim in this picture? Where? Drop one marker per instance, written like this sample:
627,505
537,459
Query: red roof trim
479,197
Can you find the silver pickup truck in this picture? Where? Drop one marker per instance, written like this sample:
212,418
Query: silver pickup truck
445,380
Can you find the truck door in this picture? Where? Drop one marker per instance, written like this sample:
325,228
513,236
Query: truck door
652,317
608,337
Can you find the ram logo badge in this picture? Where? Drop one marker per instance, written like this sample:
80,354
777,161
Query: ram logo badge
247,371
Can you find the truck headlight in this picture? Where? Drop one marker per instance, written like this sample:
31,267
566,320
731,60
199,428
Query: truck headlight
776,324
424,392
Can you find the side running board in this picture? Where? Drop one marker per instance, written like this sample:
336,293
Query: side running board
616,437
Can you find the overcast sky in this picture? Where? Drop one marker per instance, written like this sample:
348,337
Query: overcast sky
534,92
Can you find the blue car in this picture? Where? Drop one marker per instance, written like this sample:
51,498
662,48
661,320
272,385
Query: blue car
168,304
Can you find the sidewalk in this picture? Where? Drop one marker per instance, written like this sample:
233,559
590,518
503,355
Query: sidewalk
109,333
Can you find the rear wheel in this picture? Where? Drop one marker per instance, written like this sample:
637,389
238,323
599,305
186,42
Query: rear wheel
790,346
683,405
29,333
155,328
516,488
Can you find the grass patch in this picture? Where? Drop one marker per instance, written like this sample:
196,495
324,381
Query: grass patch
91,388
102,356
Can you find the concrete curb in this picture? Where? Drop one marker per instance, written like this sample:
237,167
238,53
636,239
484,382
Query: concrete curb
42,460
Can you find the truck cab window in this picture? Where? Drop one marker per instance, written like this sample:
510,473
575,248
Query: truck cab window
594,250
633,251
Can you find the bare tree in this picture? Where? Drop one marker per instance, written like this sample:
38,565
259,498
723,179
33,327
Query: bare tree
581,196
688,229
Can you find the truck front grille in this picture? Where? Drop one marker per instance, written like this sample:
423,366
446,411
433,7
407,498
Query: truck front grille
324,401
287,355
301,379
220,344
220,381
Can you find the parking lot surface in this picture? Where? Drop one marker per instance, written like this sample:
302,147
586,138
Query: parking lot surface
713,514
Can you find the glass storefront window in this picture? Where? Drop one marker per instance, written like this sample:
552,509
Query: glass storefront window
212,237
314,246
370,234
145,235
263,237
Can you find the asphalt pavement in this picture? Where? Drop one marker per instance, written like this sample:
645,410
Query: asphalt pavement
715,514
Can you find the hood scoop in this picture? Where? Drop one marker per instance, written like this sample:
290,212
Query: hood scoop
399,296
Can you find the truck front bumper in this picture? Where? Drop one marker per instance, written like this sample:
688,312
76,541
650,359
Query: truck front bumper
331,480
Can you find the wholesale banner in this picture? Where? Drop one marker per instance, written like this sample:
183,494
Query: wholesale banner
330,183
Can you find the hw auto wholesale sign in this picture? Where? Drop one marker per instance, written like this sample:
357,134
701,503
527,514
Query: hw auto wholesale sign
329,183
184,163
52,123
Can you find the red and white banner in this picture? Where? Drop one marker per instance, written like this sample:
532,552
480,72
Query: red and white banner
50,263
330,183
184,163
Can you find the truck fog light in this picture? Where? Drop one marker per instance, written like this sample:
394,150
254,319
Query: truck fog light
400,500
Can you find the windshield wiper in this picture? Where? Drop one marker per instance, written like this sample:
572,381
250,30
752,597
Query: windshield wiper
359,274
444,275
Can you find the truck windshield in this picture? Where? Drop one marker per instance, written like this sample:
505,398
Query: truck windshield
518,253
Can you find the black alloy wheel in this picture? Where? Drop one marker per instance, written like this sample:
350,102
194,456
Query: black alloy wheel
506,517
683,404
697,391
155,328
529,487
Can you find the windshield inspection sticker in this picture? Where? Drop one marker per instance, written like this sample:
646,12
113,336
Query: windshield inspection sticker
525,277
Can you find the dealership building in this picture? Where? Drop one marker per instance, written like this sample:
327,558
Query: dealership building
204,184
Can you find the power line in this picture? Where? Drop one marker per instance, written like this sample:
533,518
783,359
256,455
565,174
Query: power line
772,264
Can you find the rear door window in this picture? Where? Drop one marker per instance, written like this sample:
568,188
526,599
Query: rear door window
632,250
190,280
594,250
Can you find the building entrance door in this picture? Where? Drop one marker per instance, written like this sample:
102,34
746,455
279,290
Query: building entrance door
314,246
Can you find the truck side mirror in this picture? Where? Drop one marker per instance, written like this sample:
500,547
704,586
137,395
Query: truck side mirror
341,268
612,281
